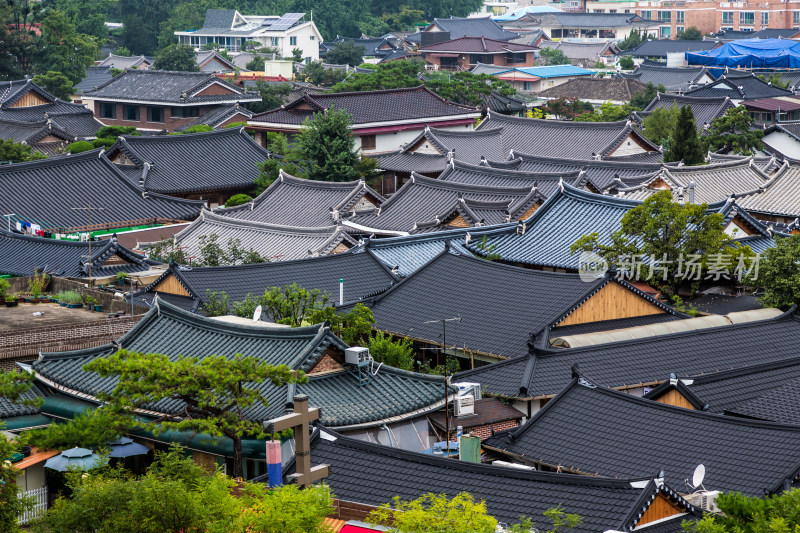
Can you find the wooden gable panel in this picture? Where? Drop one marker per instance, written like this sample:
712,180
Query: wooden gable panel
115,260
675,398
30,99
660,508
215,89
531,210
457,221
171,285
610,302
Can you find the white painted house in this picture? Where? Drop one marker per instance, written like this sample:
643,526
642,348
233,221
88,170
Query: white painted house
230,29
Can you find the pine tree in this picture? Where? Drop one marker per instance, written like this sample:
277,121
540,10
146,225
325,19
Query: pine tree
685,145
327,145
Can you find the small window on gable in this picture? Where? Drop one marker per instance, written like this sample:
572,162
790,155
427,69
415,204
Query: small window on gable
368,142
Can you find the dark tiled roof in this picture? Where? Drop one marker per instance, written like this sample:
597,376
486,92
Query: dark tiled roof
705,110
32,132
599,173
373,474
181,164
584,52
400,161
767,33
556,138
276,242
219,115
739,86
487,176
161,86
294,201
363,273
20,255
587,20
476,45
506,105
11,91
95,77
424,200
618,90
124,62
206,61
473,27
662,47
372,46
672,78
634,435
393,105
64,183
395,55
490,325
9,409
172,331
648,360
219,18
780,197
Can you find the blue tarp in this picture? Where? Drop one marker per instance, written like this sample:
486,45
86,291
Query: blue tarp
750,53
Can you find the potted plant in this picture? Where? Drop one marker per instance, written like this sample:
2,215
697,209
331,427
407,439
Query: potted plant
4,287
122,278
20,298
11,300
37,284
73,299
90,302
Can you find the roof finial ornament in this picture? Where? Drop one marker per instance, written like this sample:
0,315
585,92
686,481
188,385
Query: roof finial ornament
467,238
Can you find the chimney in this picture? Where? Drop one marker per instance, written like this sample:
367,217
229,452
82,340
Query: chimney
690,189
341,291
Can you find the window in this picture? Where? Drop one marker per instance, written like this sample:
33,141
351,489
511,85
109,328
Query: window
647,15
727,17
665,16
665,32
367,142
679,29
747,17
155,114
108,110
292,41
130,112
527,86
486,59
765,18
796,17
275,41
313,37
516,58
680,17
184,112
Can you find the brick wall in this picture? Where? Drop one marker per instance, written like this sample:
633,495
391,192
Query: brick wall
331,360
170,123
484,432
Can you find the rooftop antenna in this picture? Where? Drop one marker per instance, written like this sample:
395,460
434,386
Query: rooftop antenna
89,209
697,478
444,322
257,314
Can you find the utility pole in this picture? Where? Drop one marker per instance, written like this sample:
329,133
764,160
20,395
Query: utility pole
444,322
8,216
89,209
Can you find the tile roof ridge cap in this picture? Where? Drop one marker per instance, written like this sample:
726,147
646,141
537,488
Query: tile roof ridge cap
510,172
742,371
626,164
54,161
214,218
464,187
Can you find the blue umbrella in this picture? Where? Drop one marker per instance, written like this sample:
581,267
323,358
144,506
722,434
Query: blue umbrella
125,447
77,458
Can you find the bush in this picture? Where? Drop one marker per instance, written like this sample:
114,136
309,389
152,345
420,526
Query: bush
4,286
104,142
200,128
79,147
237,199
399,354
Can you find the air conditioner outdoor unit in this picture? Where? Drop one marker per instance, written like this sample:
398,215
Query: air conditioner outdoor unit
706,500
473,389
355,355
464,405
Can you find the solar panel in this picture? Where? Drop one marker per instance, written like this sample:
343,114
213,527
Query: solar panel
287,21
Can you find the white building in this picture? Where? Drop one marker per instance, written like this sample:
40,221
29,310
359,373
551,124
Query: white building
230,29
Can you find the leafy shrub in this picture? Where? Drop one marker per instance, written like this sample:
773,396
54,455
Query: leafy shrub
79,147
237,199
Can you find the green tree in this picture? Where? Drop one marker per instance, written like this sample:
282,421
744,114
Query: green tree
11,152
733,132
468,88
608,112
327,145
642,99
216,304
256,64
56,83
690,34
777,513
685,145
88,17
14,385
395,353
353,327
667,232
112,132
553,56
273,95
567,108
122,51
660,124
393,75
238,199
79,147
775,79
297,55
216,391
626,63
12,503
779,274
177,57
292,304
89,429
62,49
345,53
634,39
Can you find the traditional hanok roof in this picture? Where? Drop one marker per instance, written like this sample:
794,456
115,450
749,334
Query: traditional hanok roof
635,434
605,89
471,27
456,285
425,202
391,393
663,47
568,139
363,273
673,79
705,110
308,203
372,474
414,104
166,87
780,196
432,149
273,241
645,361
476,45
739,86
487,176
197,162
599,174
583,54
9,409
506,105
766,33
95,77
373,47
126,62
36,134
219,116
21,255
211,61
713,183
47,192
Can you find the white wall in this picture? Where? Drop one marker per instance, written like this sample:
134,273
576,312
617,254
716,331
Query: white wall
389,142
784,143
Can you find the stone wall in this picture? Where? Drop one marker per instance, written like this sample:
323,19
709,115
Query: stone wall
107,300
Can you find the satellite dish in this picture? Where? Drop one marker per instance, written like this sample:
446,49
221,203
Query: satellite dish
257,316
699,475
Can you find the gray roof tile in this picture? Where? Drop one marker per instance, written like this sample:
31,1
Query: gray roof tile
662,47
673,79
487,176
779,197
473,27
739,86
705,110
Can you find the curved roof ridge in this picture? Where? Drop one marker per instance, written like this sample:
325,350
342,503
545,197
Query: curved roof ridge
183,137
554,123
510,172
209,216
419,179
469,133
612,163
711,166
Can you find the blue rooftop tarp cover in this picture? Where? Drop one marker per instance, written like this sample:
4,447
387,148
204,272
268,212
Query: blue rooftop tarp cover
750,53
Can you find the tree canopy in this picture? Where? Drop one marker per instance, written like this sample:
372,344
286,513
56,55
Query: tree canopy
685,144
177,57
690,34
11,152
733,132
56,84
779,274
327,144
553,56
777,513
345,53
